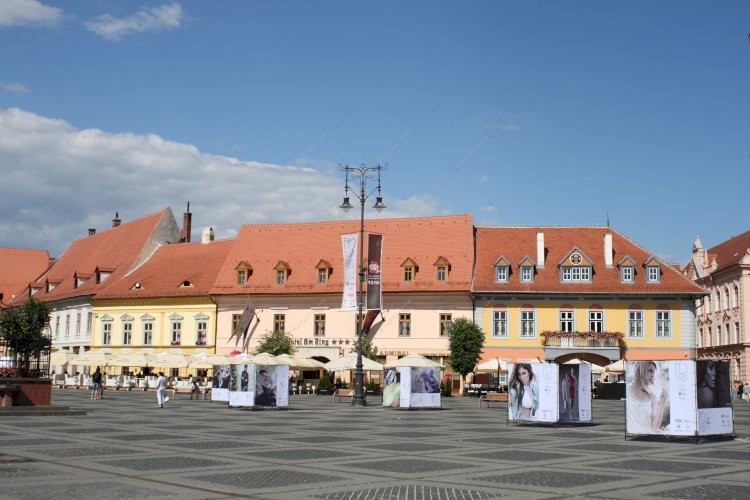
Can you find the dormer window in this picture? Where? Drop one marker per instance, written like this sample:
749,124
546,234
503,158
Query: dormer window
527,270
653,270
80,278
502,270
627,270
409,269
282,272
102,273
243,272
576,268
442,268
324,269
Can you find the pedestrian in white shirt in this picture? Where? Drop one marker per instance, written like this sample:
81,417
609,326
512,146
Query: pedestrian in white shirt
161,390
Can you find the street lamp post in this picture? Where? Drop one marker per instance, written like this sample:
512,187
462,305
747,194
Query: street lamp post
363,174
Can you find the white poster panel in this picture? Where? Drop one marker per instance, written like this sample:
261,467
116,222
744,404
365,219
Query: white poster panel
220,384
281,376
575,393
682,404
714,399
349,245
392,389
271,385
584,393
660,397
425,387
405,383
242,386
533,392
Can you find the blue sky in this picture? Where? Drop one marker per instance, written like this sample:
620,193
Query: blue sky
521,113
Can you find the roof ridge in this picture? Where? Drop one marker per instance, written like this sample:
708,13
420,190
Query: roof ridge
372,219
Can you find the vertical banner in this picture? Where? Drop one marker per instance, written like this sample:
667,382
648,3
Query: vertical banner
220,384
242,386
349,245
575,393
533,392
405,387
714,398
374,255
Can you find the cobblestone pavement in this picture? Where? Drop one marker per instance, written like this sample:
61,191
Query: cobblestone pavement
126,447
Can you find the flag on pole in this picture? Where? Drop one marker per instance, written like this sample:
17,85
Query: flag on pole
349,300
374,253
244,323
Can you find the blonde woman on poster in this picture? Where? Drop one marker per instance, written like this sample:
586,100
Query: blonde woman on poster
647,398
392,390
524,393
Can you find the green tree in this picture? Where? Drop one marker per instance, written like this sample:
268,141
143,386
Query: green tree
368,349
276,343
466,344
23,329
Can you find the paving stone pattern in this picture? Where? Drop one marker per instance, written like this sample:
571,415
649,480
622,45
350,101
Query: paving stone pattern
126,447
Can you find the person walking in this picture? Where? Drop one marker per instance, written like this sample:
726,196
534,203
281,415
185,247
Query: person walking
161,390
96,384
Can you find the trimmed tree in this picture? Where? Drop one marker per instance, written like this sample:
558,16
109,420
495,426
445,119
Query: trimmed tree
368,349
276,343
466,342
23,329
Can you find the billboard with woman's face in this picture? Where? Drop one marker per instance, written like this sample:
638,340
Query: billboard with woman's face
533,392
713,394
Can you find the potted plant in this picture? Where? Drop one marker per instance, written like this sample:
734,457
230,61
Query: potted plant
372,387
325,385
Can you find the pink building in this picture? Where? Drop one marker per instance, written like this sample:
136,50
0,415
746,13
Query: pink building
722,315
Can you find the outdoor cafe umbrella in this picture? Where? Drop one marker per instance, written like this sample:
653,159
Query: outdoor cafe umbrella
616,367
205,361
594,368
239,359
167,360
415,360
349,362
128,359
492,365
61,358
301,363
264,358
91,358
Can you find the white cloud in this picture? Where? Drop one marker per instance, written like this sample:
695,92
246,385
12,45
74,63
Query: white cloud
28,13
58,181
17,88
163,17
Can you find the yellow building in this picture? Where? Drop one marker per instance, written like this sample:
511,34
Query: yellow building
557,293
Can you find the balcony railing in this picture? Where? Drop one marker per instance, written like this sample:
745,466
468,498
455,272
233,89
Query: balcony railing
581,340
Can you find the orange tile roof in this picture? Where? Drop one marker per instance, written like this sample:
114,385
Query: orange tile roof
19,266
729,252
302,246
515,243
178,270
113,250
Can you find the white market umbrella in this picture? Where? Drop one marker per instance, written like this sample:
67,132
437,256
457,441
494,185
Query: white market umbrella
349,362
205,361
167,360
415,360
492,365
62,358
128,359
91,358
594,368
263,358
616,367
240,359
301,363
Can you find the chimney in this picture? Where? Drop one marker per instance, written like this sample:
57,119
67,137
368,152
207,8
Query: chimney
608,256
187,219
116,221
540,250
92,231
208,235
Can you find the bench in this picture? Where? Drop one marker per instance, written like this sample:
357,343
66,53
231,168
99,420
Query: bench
343,393
188,389
493,397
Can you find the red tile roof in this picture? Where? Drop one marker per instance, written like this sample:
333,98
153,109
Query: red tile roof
178,270
114,250
19,266
302,246
729,252
515,243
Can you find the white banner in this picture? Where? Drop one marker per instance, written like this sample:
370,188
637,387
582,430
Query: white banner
349,300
